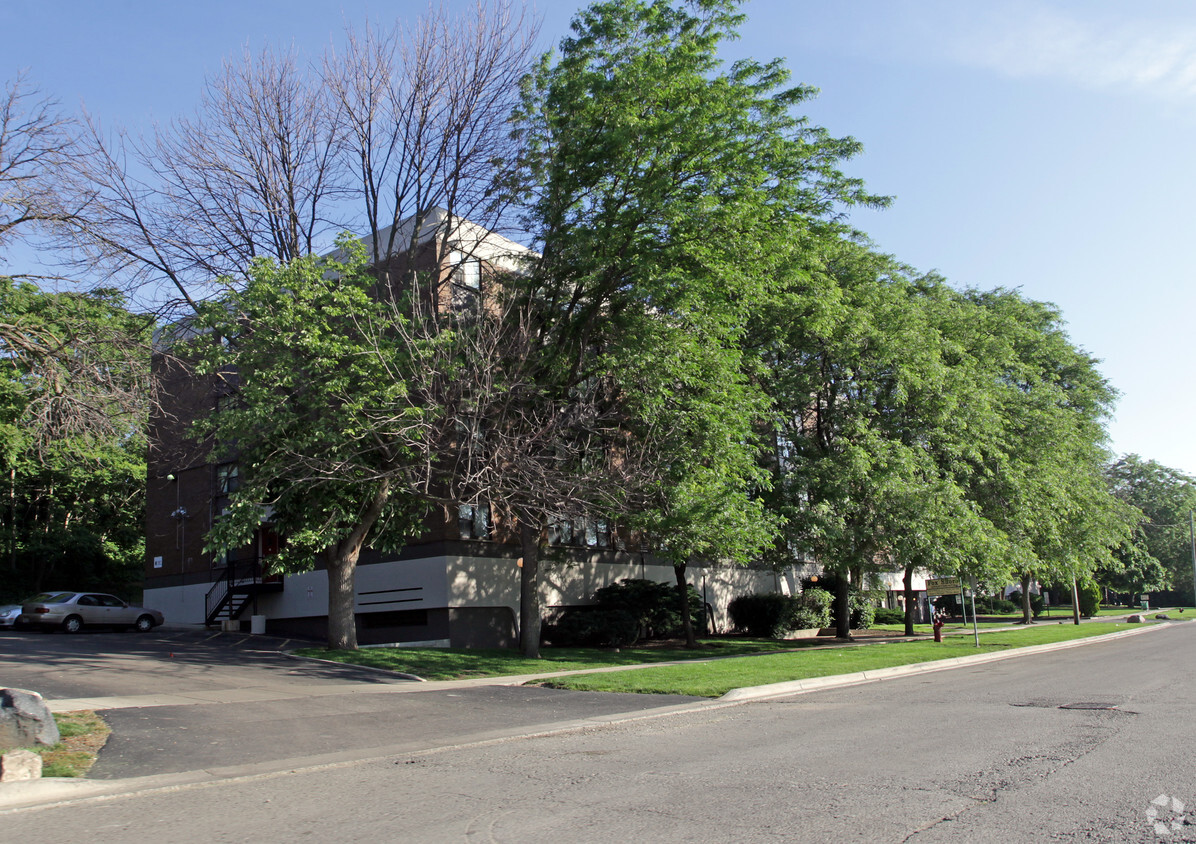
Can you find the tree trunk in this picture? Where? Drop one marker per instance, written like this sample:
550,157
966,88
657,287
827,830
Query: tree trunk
1075,600
12,520
342,621
911,602
342,569
687,622
529,591
842,607
1027,614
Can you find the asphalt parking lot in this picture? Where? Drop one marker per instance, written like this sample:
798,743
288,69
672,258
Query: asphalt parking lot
187,700
105,663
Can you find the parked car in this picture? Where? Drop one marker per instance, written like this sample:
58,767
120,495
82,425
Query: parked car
72,611
8,614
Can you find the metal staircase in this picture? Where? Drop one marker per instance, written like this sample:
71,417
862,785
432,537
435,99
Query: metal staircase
236,589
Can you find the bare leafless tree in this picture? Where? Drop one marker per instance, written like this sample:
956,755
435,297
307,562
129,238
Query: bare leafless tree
36,142
404,123
252,174
426,110
77,361
497,424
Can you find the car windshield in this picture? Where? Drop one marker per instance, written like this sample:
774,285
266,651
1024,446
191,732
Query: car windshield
51,598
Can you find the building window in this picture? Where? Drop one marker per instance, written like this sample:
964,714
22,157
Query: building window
560,532
228,478
465,279
585,532
597,533
473,520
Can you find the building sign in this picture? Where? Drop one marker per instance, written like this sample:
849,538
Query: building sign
942,586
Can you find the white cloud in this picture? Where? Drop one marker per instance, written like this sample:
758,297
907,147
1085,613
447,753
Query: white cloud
1100,51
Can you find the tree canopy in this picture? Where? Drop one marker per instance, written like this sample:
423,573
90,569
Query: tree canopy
74,397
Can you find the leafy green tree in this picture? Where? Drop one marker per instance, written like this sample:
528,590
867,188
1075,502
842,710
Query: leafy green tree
74,394
1158,555
659,187
1039,477
706,505
867,445
310,356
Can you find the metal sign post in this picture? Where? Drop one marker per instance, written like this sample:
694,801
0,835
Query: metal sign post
942,586
975,624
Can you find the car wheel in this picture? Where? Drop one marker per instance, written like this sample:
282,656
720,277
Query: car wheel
72,624
144,624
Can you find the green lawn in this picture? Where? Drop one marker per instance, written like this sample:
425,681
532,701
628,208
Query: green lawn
1174,612
463,663
711,679
955,626
800,658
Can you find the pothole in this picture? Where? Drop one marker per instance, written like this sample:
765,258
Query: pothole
1096,706
1083,706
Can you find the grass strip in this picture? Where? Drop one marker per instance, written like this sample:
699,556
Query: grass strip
712,679
466,663
83,734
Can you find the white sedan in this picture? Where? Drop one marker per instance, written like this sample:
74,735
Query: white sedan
72,611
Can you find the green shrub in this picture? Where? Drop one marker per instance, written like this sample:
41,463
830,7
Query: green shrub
814,610
1090,596
1035,603
863,610
771,615
656,607
861,603
997,606
887,616
766,615
593,627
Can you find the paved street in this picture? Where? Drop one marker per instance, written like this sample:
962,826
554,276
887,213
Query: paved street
1072,745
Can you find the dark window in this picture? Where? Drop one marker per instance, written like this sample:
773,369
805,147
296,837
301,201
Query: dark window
473,520
560,532
228,478
587,532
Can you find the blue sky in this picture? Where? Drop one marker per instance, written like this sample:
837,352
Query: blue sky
1034,144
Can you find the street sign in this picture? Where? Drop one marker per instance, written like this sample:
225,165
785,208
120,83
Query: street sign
940,586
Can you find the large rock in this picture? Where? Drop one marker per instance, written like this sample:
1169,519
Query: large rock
25,720
1137,618
18,765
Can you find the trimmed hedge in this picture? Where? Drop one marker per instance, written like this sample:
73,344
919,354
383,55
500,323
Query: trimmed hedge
624,613
594,627
887,616
655,606
815,611
770,615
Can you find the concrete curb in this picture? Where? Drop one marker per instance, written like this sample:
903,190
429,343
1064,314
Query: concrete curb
791,687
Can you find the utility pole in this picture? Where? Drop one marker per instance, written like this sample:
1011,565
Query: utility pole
1192,537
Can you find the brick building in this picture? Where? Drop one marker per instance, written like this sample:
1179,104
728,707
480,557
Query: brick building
458,585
